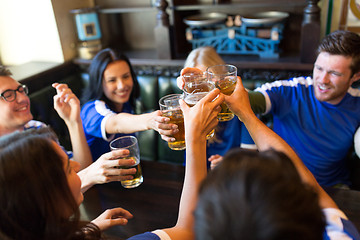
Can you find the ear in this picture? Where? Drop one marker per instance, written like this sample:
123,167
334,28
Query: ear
355,77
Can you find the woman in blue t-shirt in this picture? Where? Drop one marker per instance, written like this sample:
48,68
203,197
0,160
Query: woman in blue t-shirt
109,102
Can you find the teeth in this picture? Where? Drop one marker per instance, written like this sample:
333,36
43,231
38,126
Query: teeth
322,87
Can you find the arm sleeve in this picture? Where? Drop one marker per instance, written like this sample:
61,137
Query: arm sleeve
257,102
357,142
338,226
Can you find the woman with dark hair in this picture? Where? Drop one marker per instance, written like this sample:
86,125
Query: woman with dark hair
109,102
261,195
40,191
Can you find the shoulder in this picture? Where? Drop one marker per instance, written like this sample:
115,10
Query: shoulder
97,106
354,92
34,124
338,226
292,83
155,235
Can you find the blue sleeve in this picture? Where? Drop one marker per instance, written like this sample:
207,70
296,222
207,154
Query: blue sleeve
280,95
92,116
338,227
145,236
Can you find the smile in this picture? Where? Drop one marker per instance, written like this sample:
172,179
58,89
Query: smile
322,87
22,109
122,93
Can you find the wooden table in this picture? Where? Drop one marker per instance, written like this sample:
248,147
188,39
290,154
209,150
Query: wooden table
154,203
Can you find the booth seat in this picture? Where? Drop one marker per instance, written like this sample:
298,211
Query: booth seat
152,147
153,87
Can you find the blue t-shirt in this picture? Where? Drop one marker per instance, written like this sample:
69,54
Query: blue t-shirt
227,136
319,132
94,115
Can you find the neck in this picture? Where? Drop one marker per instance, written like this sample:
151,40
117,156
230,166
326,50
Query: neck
118,107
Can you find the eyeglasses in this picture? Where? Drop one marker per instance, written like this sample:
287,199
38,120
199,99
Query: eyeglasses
10,95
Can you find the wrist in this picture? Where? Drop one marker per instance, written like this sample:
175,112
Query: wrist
85,183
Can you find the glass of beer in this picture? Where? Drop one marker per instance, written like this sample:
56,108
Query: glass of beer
170,107
225,78
130,143
195,88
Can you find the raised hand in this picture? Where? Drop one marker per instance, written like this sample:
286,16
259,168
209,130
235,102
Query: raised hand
180,81
66,103
203,116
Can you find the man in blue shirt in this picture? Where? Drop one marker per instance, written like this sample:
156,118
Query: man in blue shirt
319,115
236,199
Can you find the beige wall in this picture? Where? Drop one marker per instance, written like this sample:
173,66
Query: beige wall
66,25
28,32
38,30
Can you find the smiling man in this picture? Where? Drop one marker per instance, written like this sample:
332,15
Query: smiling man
16,115
14,104
319,115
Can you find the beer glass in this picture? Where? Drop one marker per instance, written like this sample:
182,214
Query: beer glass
130,143
224,77
195,88
170,107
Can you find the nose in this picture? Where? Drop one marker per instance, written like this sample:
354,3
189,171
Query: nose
324,77
120,84
21,96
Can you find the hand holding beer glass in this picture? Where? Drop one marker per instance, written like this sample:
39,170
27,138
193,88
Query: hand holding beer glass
170,107
130,143
225,78
195,88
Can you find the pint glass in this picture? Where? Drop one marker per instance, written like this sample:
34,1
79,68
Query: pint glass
195,88
169,106
225,78
130,143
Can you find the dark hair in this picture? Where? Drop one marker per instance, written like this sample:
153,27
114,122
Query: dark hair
253,195
34,190
94,90
344,43
4,71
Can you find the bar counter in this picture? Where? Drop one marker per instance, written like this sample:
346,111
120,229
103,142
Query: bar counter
154,203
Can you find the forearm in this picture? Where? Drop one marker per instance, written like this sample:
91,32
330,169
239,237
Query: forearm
80,148
195,172
127,123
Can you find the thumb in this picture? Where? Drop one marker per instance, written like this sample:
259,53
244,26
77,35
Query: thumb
184,107
239,84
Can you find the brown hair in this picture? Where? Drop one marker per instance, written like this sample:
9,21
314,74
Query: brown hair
344,43
34,190
257,195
